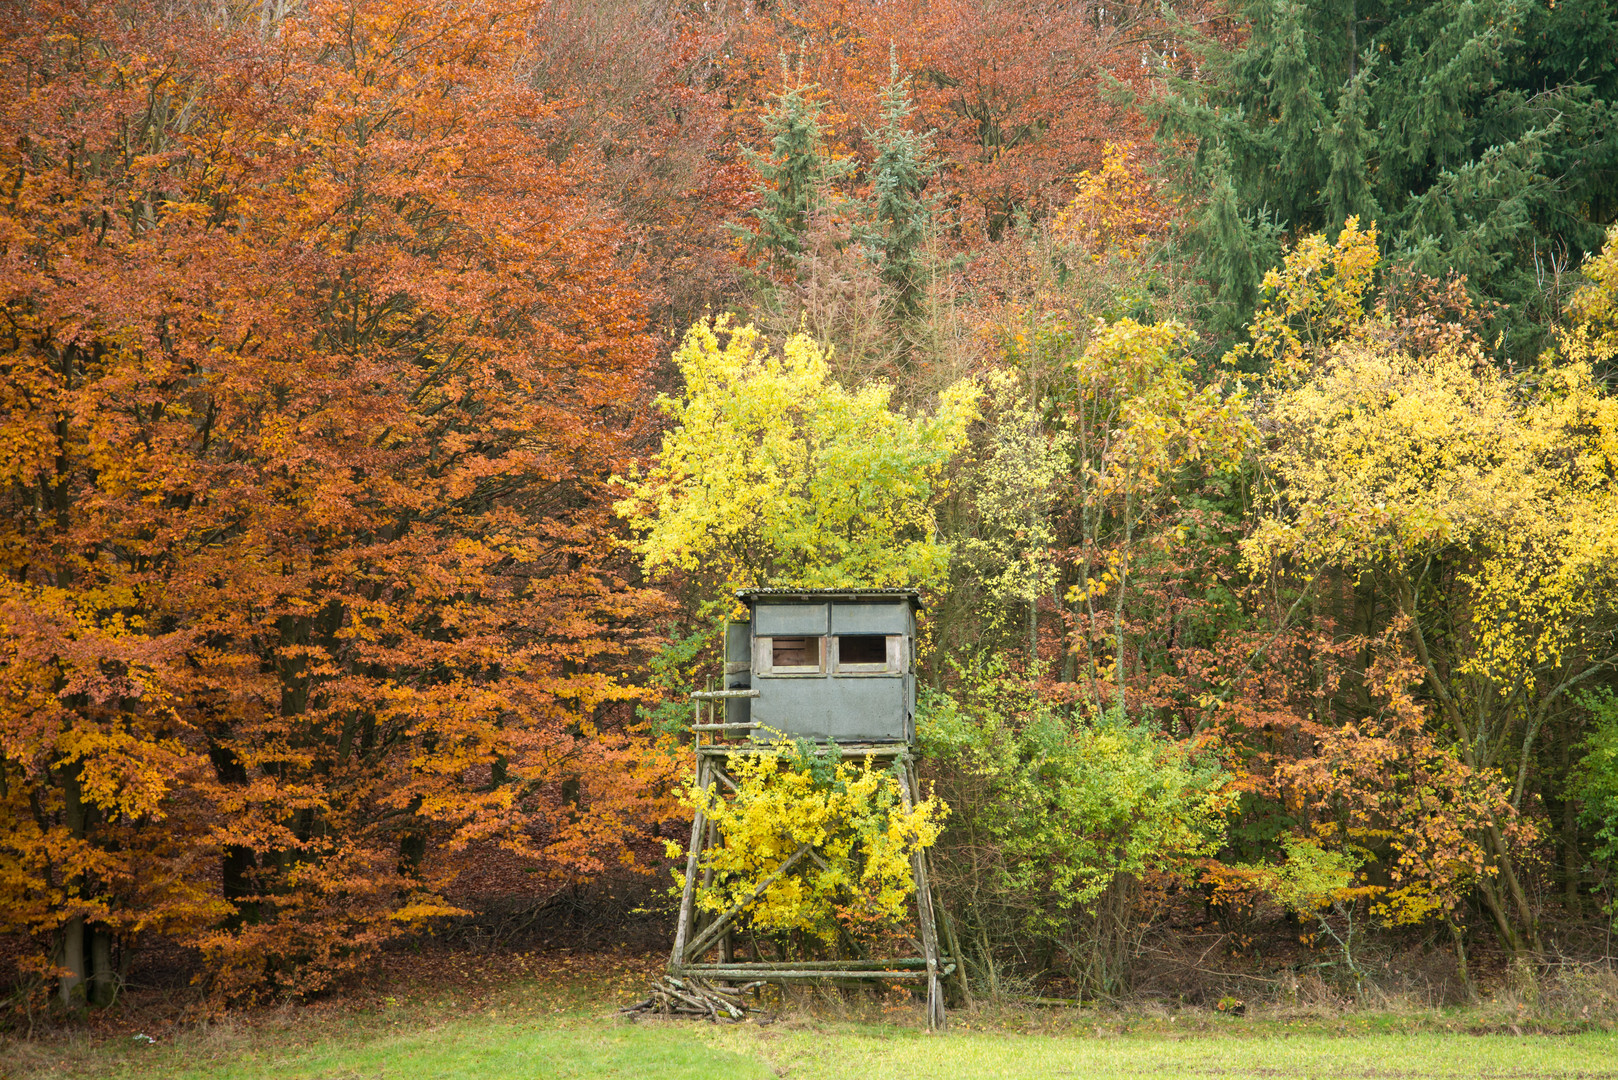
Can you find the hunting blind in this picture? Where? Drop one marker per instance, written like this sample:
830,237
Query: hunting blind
825,665
831,666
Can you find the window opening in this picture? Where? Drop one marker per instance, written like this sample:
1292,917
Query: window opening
802,653
862,650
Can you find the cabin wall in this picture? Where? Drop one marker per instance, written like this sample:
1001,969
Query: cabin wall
849,706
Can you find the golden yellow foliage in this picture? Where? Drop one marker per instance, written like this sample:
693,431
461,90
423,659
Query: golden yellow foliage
1384,460
1481,505
853,815
1315,297
1594,307
773,474
1140,414
1115,210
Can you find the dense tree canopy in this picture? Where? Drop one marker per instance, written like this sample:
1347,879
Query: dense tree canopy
394,391
773,474
309,408
1479,137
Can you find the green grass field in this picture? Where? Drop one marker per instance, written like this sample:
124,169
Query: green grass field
577,1047
557,1023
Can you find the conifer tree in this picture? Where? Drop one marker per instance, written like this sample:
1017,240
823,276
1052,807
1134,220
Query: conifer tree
1481,136
899,175
792,176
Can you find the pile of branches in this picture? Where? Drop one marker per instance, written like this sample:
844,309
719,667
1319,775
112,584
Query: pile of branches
672,996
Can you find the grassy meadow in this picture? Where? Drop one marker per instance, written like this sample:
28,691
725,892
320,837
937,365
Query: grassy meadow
538,1019
501,1046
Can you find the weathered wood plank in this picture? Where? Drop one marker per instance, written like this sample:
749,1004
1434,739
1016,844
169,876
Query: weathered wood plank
850,965
717,971
849,750
924,910
688,893
706,938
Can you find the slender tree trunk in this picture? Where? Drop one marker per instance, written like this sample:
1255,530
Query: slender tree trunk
1460,960
413,842
1118,606
238,862
71,984
103,979
1502,920
1524,910
1472,755
1570,828
1033,634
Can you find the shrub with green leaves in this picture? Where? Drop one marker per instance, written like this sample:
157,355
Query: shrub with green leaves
1061,817
1595,783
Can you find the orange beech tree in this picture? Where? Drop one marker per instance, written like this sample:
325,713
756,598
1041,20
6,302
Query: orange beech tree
1017,90
633,83
315,368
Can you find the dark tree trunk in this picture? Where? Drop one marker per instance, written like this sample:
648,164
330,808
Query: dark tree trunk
239,863
70,957
103,979
71,984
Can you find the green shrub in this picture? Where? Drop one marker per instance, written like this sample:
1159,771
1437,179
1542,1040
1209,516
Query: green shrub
1061,818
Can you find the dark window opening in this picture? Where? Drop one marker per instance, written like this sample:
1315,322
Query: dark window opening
862,649
795,652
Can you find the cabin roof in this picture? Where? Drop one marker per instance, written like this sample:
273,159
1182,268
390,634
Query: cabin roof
905,594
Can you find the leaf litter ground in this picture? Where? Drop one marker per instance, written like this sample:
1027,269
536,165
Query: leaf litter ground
457,1014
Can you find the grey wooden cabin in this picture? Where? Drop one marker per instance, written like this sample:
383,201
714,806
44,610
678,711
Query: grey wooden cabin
826,664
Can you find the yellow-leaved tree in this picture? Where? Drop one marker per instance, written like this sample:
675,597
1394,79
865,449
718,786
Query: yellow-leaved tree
1594,333
1137,421
772,474
853,815
1477,507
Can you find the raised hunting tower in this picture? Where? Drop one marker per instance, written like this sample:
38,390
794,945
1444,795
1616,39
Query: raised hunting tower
827,664
832,666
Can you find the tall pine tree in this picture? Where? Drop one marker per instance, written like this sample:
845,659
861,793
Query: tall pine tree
1480,135
792,176
899,176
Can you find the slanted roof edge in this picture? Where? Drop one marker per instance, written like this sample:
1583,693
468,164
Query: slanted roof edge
911,595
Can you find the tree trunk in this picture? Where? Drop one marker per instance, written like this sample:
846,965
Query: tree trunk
103,979
239,862
1571,859
1524,910
412,850
72,982
1502,919
1033,635
71,958
1460,960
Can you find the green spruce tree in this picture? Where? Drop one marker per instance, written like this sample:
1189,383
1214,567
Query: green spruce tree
1481,136
899,209
793,176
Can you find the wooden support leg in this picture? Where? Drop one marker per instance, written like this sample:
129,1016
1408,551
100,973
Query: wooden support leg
718,773
699,833
707,874
705,940
924,914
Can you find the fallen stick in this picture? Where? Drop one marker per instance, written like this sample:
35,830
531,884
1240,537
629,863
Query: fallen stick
673,996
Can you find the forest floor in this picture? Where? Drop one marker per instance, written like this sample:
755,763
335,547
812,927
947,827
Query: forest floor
554,1014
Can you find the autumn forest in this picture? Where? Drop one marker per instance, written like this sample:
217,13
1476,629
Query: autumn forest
397,392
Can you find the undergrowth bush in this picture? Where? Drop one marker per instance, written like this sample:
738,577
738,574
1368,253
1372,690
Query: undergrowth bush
1064,819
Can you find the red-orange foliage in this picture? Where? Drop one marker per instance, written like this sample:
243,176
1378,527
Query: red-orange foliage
315,366
633,86
1017,89
1325,730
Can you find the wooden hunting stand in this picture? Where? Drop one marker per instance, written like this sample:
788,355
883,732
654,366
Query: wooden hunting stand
809,661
